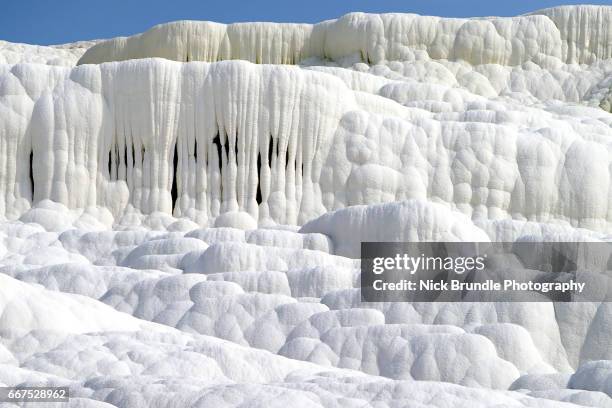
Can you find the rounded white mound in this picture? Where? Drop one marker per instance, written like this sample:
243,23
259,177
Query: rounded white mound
407,221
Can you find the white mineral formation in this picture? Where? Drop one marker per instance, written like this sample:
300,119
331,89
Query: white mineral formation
181,211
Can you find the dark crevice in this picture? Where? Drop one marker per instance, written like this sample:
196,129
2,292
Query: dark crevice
125,156
109,162
195,151
217,142
287,158
258,195
133,156
32,173
270,147
226,147
173,190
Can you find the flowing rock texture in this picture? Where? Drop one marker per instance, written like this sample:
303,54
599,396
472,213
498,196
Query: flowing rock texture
181,210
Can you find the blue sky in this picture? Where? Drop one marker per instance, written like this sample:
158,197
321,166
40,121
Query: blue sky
60,21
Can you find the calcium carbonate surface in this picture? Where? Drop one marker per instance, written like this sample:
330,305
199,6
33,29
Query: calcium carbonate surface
181,211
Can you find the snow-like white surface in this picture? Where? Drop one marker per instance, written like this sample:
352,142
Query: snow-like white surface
63,55
223,316
574,34
182,229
